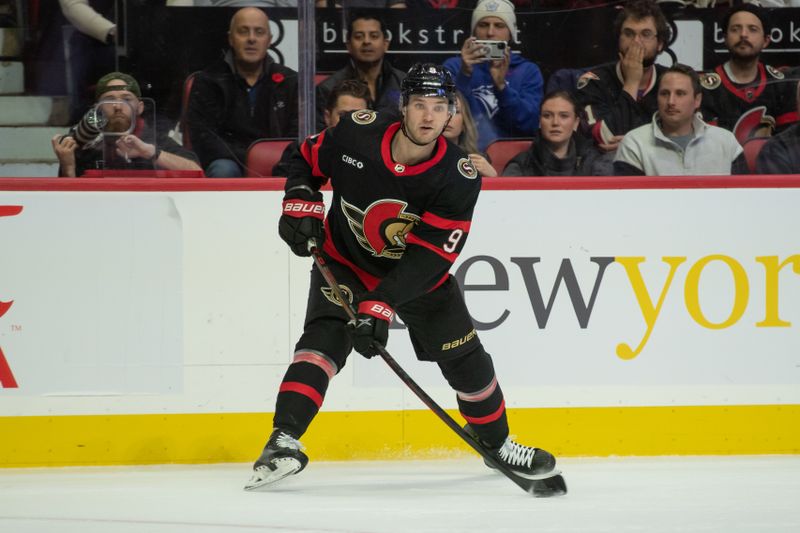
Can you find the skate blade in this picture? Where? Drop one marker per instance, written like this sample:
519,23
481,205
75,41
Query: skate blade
538,477
263,476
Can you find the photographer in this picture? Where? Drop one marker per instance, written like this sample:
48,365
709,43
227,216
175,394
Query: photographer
504,93
117,139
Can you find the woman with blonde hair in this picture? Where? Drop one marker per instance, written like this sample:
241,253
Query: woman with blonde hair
461,131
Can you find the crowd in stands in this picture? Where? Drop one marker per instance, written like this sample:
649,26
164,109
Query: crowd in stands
630,116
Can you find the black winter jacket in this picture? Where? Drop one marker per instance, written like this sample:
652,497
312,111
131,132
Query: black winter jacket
583,159
388,90
222,121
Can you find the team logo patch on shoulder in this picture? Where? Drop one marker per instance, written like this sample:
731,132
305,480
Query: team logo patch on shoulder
775,73
363,117
583,81
466,168
710,80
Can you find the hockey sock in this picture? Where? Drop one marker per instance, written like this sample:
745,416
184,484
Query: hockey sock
302,391
480,398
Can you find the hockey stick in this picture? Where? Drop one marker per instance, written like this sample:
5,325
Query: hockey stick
550,486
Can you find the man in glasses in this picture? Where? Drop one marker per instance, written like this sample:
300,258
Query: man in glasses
620,96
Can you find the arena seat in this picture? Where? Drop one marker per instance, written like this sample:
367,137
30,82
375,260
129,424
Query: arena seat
187,89
264,154
501,151
751,148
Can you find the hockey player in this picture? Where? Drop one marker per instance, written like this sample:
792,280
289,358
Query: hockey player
402,205
744,95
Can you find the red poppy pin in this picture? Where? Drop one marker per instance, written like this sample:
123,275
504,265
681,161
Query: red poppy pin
278,77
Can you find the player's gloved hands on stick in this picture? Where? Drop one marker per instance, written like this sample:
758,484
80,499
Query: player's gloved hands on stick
302,219
371,325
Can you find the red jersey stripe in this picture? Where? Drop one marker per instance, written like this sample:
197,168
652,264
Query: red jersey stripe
369,281
445,223
413,239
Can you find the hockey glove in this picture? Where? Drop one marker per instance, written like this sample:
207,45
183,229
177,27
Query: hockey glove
302,219
370,326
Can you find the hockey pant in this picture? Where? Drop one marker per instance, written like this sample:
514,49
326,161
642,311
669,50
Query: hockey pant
441,330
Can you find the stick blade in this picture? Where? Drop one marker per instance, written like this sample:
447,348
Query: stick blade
548,487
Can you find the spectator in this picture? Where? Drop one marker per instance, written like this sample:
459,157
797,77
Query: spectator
743,94
462,132
617,97
118,97
677,141
397,4
504,94
557,150
346,97
367,43
781,154
90,50
240,98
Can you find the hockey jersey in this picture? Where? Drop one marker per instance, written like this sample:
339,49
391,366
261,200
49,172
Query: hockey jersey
744,108
398,227
609,109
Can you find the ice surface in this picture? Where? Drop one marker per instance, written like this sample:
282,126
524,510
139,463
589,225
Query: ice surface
620,495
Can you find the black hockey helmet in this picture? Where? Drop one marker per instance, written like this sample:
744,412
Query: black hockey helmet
428,79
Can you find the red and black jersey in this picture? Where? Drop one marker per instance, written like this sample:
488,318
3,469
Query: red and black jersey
398,227
609,109
769,100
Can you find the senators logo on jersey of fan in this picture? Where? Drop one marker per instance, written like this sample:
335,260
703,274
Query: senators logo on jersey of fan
363,117
751,122
381,229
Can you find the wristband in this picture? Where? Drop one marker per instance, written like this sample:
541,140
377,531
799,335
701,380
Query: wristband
302,208
156,155
377,309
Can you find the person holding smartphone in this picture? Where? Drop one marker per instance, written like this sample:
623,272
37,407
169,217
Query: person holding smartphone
503,89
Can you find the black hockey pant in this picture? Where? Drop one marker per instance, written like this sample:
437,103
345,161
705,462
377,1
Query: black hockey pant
441,330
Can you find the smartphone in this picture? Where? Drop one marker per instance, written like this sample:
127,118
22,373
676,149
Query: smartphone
493,49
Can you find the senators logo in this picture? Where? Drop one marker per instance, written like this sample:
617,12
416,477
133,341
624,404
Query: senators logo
467,169
751,122
585,78
710,80
381,229
364,117
334,299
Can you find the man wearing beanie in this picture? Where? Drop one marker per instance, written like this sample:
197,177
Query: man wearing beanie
503,95
124,140
744,95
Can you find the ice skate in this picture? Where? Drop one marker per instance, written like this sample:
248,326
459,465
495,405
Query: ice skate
524,461
282,456
535,465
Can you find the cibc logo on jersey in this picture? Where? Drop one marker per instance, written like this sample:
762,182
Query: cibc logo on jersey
382,227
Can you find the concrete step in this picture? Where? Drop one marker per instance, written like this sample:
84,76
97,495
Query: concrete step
33,110
28,144
10,42
12,77
28,170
